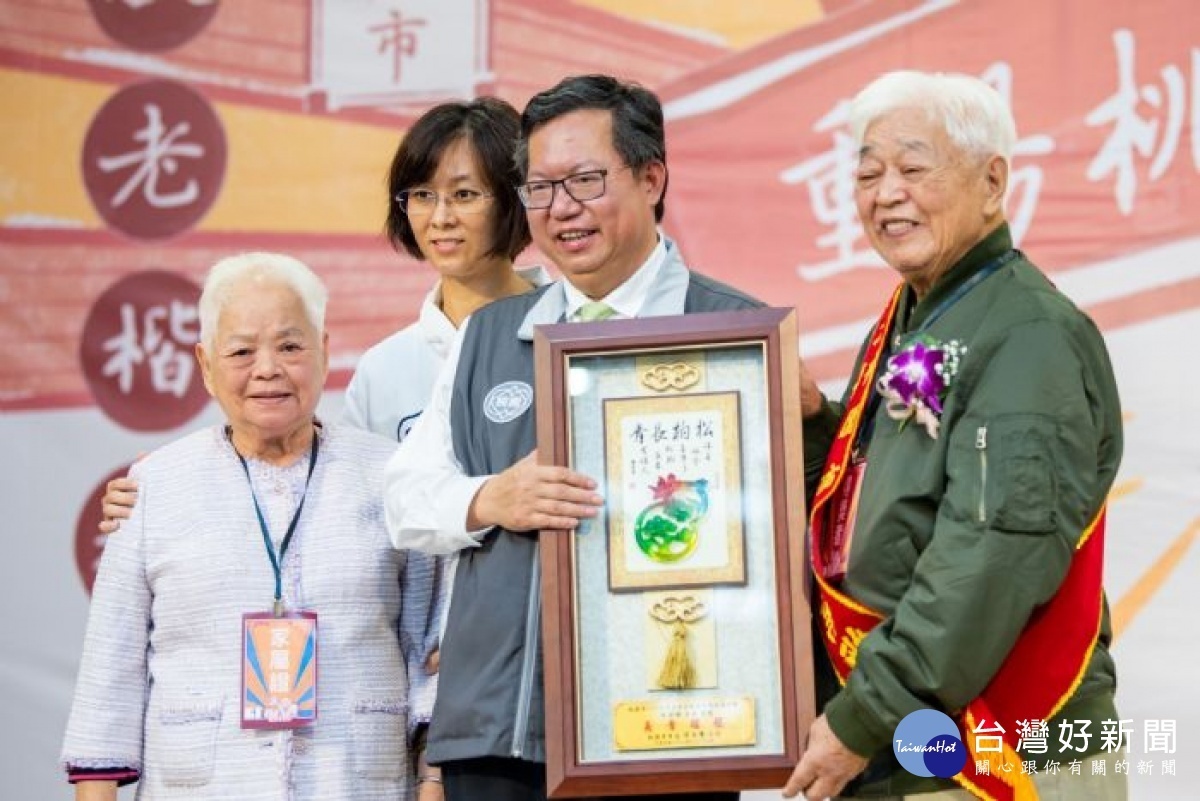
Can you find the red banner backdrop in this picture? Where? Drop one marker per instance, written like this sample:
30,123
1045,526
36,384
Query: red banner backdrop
145,139
1107,102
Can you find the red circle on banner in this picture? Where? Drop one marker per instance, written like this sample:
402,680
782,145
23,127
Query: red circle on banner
137,351
154,159
89,542
153,25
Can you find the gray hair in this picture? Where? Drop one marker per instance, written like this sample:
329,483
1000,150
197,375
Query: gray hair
974,115
229,273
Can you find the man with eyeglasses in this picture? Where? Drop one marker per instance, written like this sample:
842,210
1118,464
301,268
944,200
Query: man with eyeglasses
466,481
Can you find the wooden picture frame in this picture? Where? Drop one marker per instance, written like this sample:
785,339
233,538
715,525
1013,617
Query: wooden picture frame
664,678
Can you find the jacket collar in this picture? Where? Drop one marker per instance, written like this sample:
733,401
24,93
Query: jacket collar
992,246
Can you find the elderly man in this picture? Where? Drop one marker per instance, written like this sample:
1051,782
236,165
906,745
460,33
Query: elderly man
466,480
960,486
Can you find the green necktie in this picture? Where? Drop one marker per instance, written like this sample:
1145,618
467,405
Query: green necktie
594,312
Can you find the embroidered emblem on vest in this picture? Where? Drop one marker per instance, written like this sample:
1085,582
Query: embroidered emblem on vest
508,401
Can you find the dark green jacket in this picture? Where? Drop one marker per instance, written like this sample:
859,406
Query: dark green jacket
959,539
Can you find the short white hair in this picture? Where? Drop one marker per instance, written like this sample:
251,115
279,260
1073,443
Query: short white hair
974,115
228,274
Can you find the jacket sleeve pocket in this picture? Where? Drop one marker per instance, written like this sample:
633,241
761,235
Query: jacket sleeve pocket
1025,489
186,742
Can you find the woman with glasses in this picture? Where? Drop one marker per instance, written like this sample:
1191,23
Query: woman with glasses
453,204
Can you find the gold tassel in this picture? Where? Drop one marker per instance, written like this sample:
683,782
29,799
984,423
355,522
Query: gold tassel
678,672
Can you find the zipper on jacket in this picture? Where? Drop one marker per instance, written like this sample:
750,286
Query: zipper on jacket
981,446
528,657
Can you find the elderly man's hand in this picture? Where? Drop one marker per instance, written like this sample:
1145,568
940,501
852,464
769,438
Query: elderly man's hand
826,766
530,497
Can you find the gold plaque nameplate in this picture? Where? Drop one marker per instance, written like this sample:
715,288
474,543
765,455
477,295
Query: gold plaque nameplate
683,723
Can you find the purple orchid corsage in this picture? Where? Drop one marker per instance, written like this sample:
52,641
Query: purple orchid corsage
917,379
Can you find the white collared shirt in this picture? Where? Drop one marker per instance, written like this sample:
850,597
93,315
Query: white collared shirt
627,299
391,388
394,379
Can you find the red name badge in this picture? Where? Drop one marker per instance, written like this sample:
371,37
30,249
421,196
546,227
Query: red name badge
279,670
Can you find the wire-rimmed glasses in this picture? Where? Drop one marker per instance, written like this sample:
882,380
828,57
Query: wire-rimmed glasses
421,201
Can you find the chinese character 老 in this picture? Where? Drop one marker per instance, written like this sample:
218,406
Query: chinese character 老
160,155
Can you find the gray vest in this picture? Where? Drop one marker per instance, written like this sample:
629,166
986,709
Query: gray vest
490,697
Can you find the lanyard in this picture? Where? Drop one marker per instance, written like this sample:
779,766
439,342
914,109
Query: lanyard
276,561
864,433
966,286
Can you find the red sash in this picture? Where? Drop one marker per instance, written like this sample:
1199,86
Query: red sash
1045,665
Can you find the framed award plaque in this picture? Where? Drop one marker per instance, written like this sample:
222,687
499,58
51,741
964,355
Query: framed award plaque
676,623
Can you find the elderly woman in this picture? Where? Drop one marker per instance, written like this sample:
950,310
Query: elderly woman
958,518
452,202
243,640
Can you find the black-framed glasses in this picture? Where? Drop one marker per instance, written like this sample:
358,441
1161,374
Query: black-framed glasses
580,187
421,201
